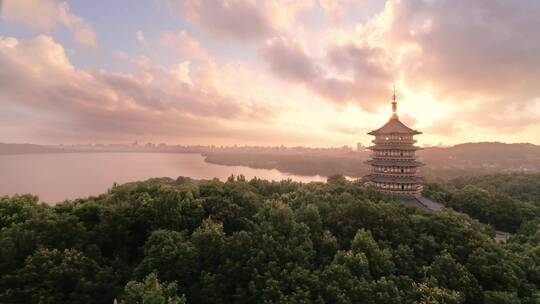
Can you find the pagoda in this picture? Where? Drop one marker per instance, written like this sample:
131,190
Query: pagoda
394,168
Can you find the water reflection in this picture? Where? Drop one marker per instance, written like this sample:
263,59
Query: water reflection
56,177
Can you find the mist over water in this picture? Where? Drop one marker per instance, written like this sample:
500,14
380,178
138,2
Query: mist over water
57,177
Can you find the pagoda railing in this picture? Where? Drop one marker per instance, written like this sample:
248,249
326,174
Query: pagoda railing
394,157
394,141
396,174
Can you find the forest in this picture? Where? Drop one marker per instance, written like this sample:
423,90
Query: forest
255,241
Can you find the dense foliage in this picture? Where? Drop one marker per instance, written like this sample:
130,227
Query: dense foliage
506,201
182,241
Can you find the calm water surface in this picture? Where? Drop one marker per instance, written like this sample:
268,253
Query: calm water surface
57,177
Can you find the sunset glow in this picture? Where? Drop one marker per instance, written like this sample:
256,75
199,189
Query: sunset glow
308,72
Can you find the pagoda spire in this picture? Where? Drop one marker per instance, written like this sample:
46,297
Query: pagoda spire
394,104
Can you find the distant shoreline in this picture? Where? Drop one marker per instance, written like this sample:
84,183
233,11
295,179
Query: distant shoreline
441,163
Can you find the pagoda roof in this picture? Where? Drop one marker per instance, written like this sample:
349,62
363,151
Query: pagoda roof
394,126
388,179
377,162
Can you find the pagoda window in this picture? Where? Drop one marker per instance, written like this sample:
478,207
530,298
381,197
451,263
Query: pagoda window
402,187
402,170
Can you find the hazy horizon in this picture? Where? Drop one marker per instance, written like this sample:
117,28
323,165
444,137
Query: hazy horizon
297,73
353,146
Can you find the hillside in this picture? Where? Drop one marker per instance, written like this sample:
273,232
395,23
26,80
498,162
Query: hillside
257,242
486,155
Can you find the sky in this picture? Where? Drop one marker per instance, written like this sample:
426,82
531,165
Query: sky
248,72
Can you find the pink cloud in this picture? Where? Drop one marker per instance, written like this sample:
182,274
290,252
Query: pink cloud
368,85
38,76
184,45
46,15
239,19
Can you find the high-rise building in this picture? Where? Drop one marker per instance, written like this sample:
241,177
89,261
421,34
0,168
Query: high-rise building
394,168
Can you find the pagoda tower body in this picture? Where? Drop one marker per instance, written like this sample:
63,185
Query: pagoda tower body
394,168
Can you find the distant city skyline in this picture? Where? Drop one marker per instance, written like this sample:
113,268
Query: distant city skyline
248,72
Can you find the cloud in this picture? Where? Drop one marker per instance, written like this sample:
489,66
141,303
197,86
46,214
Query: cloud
139,35
283,15
482,51
184,45
333,8
46,15
506,118
37,75
243,20
289,59
239,19
447,127
362,77
408,120
470,52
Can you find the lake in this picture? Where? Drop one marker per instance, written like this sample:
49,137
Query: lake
57,177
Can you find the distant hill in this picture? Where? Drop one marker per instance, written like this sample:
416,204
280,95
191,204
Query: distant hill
441,162
486,155
28,149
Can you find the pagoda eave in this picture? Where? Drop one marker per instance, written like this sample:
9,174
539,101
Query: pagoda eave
394,147
376,162
377,132
396,180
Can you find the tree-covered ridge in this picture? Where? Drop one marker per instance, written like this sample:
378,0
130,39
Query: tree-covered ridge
176,241
505,201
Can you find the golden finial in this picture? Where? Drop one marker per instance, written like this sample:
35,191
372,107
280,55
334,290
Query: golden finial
394,104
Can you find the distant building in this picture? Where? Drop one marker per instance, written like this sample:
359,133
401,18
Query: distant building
394,168
359,147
